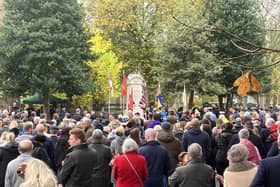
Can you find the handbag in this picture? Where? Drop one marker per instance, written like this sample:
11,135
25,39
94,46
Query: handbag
134,170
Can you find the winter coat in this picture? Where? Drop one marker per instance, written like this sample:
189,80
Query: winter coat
61,151
239,174
78,166
116,144
268,173
178,134
222,141
193,174
274,150
40,153
23,137
153,123
268,143
173,146
8,152
77,117
48,145
256,140
12,179
125,175
88,132
157,162
195,135
101,173
253,155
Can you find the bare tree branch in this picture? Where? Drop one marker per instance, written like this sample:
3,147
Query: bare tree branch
192,27
240,56
252,67
243,49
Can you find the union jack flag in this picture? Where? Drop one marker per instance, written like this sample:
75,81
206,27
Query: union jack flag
142,102
143,105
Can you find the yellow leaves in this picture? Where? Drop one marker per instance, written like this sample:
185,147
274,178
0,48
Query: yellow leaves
114,13
243,83
255,84
106,65
99,44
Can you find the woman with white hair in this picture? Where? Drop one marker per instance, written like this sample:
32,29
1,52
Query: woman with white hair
38,174
240,172
130,168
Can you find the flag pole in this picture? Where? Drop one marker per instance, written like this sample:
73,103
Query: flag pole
120,104
109,103
110,92
123,104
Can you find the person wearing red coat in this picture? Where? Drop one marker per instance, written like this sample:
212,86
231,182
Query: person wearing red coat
130,169
254,155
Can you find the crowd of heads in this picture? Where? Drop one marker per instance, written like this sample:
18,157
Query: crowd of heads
135,129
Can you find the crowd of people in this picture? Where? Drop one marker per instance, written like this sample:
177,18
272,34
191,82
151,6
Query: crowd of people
197,148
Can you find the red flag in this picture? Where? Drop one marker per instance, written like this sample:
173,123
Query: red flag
130,101
124,85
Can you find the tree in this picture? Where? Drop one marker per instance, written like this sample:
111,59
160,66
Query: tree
44,46
132,26
106,64
271,15
235,22
188,56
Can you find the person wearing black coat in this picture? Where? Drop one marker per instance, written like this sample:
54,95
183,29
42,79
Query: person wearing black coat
8,152
222,141
157,160
40,153
46,142
195,135
270,138
101,171
255,139
61,147
79,162
274,150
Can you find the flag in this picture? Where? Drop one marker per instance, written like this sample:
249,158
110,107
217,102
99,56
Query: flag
130,101
184,97
110,82
142,104
124,85
159,101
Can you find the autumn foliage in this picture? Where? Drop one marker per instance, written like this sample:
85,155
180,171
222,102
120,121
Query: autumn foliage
244,83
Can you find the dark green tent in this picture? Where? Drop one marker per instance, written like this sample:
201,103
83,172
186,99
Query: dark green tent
38,99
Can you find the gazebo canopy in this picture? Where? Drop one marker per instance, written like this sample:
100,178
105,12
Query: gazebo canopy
38,99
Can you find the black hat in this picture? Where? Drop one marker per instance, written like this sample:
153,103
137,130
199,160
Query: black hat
166,125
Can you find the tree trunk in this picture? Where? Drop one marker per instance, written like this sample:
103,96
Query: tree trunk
221,104
70,98
191,99
70,103
229,101
46,106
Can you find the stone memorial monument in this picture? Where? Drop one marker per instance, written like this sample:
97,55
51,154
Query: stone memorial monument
136,85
